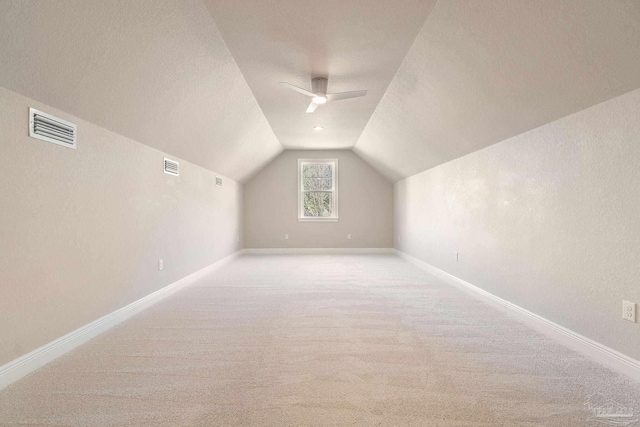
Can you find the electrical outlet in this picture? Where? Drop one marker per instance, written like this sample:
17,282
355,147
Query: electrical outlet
457,256
160,264
286,237
629,311
349,236
237,238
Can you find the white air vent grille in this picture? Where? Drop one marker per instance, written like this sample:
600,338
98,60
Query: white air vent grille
171,167
51,129
218,181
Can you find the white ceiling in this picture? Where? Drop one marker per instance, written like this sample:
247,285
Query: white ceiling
199,78
356,44
155,71
480,72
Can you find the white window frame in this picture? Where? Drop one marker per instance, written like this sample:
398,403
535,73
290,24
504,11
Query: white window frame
334,190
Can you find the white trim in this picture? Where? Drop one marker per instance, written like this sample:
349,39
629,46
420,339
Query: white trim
573,340
257,251
24,365
334,191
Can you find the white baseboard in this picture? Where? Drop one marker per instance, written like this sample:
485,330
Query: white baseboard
318,251
28,363
24,365
583,345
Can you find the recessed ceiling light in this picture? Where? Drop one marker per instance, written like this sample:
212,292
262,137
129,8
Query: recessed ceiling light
318,128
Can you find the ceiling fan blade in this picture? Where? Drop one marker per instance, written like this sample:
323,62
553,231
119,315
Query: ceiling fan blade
312,107
298,89
345,95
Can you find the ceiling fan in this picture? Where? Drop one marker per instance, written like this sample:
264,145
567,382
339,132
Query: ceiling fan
319,93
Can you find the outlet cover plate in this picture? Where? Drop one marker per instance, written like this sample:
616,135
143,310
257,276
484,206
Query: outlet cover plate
629,311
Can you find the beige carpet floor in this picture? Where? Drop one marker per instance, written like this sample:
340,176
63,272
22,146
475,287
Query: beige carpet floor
317,340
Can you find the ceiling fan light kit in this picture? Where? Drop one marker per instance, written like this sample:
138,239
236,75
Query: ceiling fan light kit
319,93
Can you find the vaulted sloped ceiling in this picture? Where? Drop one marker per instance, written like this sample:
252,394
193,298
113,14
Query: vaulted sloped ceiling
155,71
199,78
355,44
480,72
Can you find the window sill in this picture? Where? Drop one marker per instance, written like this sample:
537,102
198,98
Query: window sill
318,219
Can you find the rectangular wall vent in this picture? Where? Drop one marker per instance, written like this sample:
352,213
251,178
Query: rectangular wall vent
51,129
218,181
171,167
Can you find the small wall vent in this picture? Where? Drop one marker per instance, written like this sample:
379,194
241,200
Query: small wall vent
49,128
218,181
171,167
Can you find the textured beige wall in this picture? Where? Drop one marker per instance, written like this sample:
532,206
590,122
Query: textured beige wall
548,220
365,206
82,230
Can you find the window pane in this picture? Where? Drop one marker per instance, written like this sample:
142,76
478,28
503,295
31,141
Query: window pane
318,170
317,177
318,204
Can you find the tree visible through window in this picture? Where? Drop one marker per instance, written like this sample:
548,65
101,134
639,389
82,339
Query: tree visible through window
318,198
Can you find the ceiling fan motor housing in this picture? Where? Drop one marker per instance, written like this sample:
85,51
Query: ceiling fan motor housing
319,86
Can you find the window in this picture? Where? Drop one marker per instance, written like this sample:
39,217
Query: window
317,190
